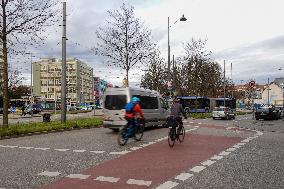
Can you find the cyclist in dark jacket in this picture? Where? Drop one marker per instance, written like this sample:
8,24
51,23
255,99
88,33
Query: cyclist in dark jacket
176,111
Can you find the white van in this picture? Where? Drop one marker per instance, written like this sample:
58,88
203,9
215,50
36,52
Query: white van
155,108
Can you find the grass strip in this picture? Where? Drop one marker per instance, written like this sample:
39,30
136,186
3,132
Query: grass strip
25,128
200,115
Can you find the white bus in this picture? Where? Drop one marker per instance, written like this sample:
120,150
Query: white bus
155,108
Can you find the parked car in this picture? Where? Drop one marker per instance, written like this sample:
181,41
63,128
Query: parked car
223,113
1,110
268,113
280,110
33,109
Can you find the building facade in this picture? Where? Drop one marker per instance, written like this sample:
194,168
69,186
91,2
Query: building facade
47,80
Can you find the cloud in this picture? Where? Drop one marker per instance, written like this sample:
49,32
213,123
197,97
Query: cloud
258,61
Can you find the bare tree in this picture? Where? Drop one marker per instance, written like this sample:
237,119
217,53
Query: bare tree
125,41
22,22
156,74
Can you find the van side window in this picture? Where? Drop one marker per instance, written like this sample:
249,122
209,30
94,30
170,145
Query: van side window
148,102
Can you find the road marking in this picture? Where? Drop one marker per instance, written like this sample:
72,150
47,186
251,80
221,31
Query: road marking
216,157
61,150
231,149
98,152
160,139
197,169
24,147
49,174
191,122
9,146
78,176
42,149
144,145
119,153
79,151
240,144
246,140
139,182
236,146
199,123
135,148
224,153
167,185
183,176
107,179
208,163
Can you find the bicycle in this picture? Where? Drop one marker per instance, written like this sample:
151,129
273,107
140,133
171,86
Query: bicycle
127,132
176,132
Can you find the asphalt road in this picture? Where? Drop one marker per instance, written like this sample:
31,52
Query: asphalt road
91,158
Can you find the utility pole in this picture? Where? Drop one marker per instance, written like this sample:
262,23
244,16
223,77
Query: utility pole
224,84
268,92
232,79
63,76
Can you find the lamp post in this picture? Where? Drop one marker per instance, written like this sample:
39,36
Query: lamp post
31,75
169,49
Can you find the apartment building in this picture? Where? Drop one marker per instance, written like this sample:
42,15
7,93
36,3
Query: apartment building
47,80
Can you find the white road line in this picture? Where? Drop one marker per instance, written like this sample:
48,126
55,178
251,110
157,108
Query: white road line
167,185
9,146
183,176
79,151
197,169
119,153
139,182
107,179
24,147
240,144
49,174
78,176
216,157
160,139
199,123
98,152
135,148
208,163
191,122
42,149
231,149
144,145
236,146
61,150
246,140
224,153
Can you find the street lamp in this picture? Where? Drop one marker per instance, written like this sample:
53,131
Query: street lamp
31,74
169,53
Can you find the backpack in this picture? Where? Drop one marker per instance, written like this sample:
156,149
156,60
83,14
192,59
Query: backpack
129,107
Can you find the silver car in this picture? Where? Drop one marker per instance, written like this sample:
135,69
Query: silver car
223,113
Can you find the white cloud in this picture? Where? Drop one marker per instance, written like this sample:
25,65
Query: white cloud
236,30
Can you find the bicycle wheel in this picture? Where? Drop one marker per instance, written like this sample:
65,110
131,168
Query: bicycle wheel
139,132
171,137
122,136
181,134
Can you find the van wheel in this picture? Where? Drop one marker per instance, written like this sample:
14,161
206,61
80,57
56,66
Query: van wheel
115,130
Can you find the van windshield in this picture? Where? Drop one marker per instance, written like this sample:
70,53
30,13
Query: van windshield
115,102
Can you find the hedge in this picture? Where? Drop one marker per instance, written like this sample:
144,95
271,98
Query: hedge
35,127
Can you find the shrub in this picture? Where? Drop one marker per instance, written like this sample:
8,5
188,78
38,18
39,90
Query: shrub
24,128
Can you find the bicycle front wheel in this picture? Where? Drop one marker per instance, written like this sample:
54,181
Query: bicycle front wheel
181,134
139,132
171,137
122,136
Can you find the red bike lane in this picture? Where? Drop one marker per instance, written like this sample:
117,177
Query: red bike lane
154,164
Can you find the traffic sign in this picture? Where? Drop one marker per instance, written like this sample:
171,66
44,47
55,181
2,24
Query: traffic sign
252,84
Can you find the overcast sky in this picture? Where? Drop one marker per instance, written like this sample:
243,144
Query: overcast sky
247,33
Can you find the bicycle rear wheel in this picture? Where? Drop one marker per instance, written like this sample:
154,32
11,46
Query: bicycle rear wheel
171,137
181,134
139,132
122,136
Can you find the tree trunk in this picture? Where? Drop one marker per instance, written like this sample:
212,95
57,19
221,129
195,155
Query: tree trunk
5,70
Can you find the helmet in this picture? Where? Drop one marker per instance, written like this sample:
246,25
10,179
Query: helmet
135,99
